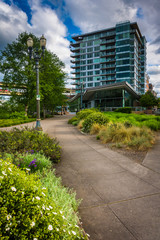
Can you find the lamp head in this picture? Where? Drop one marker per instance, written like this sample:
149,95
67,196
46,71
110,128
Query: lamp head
30,42
43,42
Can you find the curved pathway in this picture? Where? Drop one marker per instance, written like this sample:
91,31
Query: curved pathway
121,198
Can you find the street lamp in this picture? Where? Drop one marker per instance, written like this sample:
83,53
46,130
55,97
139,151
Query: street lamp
37,57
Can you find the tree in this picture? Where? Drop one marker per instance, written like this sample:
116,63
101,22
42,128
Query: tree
20,76
148,100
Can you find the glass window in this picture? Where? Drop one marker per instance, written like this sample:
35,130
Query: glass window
83,50
96,42
90,79
82,44
83,68
97,72
97,66
90,43
90,73
83,62
96,60
83,74
89,61
90,84
89,49
96,54
96,48
83,56
90,67
90,55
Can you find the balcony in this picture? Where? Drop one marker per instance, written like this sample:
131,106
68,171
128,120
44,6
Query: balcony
73,55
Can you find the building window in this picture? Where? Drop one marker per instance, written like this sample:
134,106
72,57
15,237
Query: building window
90,43
90,55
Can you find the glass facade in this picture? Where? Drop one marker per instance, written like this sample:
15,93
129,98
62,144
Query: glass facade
110,56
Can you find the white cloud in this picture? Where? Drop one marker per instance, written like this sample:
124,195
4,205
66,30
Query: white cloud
44,21
92,15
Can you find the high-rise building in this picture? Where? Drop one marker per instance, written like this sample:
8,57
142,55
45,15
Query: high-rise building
109,56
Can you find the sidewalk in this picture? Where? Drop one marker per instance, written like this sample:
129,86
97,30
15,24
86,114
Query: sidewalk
121,198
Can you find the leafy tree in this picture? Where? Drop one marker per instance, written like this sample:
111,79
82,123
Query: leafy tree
20,76
148,100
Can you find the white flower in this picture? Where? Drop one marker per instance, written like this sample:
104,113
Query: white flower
28,169
7,229
43,207
1,177
38,198
61,212
76,226
54,213
57,229
50,207
10,169
13,189
43,188
23,193
32,199
43,194
63,217
74,233
3,172
32,224
9,217
35,238
50,227
87,235
64,230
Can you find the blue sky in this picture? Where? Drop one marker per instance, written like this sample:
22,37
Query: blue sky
58,20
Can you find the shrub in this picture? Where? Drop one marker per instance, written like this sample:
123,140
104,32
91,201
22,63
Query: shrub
13,115
133,137
12,122
124,110
33,161
80,124
29,139
86,112
95,128
27,211
96,117
73,119
152,124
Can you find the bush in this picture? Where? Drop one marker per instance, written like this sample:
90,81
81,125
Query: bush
86,112
152,124
95,128
27,211
96,117
73,119
31,140
12,122
133,137
124,110
33,161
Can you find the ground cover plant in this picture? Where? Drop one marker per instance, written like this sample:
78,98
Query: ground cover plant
12,122
127,130
28,139
28,210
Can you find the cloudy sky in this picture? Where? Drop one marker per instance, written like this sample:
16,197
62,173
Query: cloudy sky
58,20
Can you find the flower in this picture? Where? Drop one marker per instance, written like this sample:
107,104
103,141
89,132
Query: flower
43,194
38,198
13,189
50,207
23,193
74,233
50,227
32,224
7,229
43,188
10,169
28,169
3,172
35,238
9,217
54,213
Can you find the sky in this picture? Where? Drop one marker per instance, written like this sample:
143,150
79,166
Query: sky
59,20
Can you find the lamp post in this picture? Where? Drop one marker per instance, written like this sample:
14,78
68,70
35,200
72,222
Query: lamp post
37,57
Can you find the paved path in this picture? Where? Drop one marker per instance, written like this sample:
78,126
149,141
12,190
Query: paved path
121,198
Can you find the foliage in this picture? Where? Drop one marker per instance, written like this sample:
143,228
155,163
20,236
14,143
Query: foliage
95,117
11,122
29,139
95,128
63,197
148,100
124,110
19,74
27,211
13,115
86,112
134,137
132,119
33,161
73,119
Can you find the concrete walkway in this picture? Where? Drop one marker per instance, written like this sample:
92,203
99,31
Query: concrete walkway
121,198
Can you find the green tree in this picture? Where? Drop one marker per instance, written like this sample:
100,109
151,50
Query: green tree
148,100
20,76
